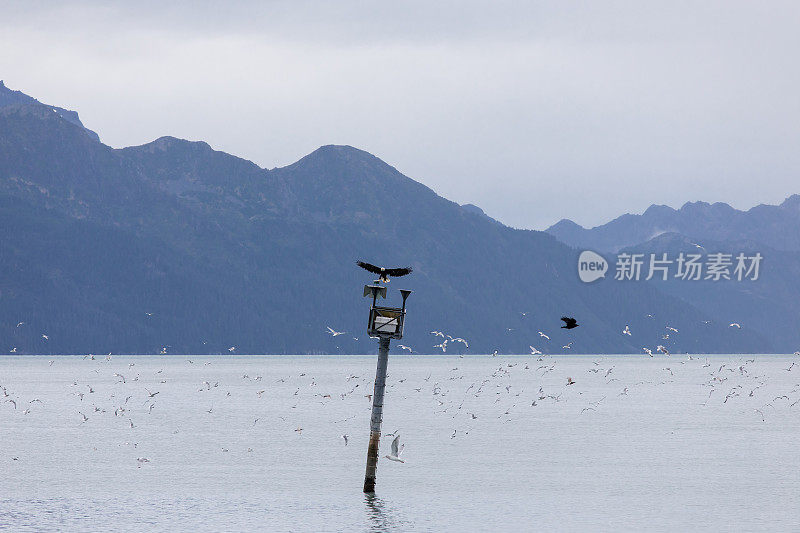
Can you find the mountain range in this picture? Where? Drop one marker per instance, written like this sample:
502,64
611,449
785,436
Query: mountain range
174,246
775,226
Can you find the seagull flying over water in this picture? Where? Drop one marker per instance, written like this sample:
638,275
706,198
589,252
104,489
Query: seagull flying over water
627,330
396,451
384,273
334,332
543,335
735,325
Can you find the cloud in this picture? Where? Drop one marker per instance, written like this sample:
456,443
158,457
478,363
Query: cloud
533,112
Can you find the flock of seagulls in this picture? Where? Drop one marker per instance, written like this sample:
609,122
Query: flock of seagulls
115,397
571,323
19,325
446,340
111,393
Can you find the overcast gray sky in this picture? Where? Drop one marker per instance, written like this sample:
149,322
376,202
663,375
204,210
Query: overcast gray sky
533,111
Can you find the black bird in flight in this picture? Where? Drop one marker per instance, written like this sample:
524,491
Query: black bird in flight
570,322
384,272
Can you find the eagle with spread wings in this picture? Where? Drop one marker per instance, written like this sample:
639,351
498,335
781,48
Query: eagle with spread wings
384,273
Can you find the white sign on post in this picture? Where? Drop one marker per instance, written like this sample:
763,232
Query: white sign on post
386,324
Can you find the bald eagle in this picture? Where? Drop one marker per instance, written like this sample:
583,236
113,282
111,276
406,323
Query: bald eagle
384,273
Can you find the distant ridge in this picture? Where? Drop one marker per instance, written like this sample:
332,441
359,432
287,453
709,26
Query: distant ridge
10,98
777,226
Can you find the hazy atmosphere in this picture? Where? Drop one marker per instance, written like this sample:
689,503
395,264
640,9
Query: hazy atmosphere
202,205
535,113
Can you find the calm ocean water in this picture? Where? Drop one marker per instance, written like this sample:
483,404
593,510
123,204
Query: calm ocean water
243,443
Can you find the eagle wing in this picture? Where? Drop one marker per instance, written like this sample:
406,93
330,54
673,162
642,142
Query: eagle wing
397,272
368,267
569,321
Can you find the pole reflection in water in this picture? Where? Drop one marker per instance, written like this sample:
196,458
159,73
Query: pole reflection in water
381,518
